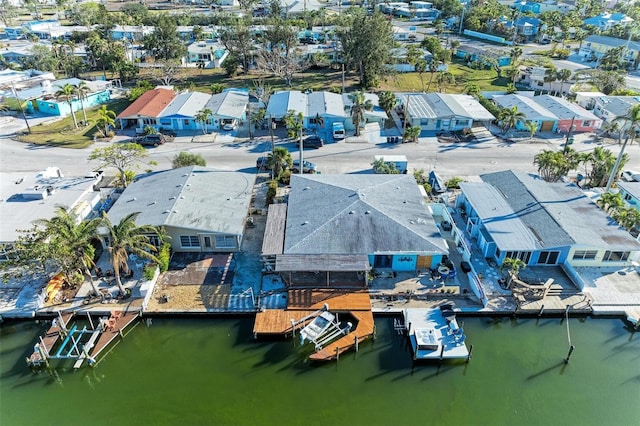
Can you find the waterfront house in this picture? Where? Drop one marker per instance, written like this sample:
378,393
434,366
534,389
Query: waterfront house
569,114
201,209
545,119
29,196
518,215
440,113
343,225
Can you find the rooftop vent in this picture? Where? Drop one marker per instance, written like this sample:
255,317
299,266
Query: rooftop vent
133,199
166,212
305,222
367,212
352,212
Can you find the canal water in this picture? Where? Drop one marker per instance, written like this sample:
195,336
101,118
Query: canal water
211,372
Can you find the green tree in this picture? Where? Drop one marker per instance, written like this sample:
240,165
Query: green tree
384,167
510,117
82,90
627,217
387,101
412,133
532,127
279,160
203,116
41,58
366,42
184,159
68,93
119,156
127,238
238,41
554,165
443,78
164,42
563,75
216,88
359,104
609,201
631,125
75,242
106,119
513,267
294,122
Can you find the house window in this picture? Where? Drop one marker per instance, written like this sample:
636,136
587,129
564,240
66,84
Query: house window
225,241
186,122
424,121
548,257
522,255
189,241
584,254
148,121
615,256
586,124
154,240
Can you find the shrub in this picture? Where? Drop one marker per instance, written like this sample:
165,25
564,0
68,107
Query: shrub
164,256
272,189
149,271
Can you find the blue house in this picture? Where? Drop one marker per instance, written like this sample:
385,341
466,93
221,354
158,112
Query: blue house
357,222
476,54
526,27
630,193
605,21
42,98
527,6
516,215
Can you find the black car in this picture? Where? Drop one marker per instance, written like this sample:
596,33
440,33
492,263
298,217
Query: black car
311,142
465,266
262,163
151,140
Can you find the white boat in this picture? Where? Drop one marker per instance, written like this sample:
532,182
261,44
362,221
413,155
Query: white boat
317,327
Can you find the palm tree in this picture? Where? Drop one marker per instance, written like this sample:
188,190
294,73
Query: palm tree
278,160
549,77
127,238
359,104
472,89
202,117
68,93
82,89
514,55
627,217
563,75
532,127
631,125
387,101
411,133
513,267
421,67
445,77
610,201
105,119
510,117
77,238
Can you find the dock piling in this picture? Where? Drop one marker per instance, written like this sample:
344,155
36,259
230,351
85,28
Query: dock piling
356,342
337,354
571,348
90,321
470,352
374,332
541,311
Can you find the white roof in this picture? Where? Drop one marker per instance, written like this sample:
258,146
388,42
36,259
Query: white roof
532,110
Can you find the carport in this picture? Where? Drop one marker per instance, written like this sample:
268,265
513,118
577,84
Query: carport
327,270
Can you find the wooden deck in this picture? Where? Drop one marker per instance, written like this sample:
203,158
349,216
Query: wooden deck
278,321
273,242
363,331
337,299
53,334
113,326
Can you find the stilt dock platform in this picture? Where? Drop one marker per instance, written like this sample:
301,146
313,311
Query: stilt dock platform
44,347
113,327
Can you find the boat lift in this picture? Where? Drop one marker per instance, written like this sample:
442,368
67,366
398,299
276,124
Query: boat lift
295,324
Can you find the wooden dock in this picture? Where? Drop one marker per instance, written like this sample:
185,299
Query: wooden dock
48,341
337,299
114,327
278,321
363,331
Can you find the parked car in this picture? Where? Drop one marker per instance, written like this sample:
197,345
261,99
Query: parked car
311,142
465,266
631,176
230,125
151,140
307,167
262,163
446,225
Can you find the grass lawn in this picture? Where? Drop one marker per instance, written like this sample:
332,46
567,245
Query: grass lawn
61,133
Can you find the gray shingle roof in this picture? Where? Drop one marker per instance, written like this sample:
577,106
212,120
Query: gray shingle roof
359,214
229,104
196,198
186,104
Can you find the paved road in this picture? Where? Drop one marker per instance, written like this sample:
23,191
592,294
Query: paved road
227,152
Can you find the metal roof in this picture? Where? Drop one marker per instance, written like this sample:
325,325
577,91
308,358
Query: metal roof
186,105
229,104
563,109
531,110
440,105
195,198
359,214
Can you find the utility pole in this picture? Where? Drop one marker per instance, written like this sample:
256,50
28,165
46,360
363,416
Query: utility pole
249,117
272,126
301,165
15,94
569,139
342,77
461,20
406,116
